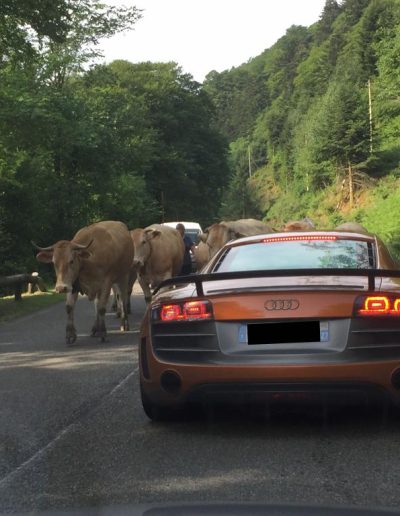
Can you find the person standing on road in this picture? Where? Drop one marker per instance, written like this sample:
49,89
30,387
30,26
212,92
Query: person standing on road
189,247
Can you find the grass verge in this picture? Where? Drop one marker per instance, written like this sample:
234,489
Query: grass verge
11,309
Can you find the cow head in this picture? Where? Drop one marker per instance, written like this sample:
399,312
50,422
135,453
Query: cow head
217,235
202,255
67,259
299,225
142,243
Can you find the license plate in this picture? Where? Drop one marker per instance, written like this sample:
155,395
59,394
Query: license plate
285,332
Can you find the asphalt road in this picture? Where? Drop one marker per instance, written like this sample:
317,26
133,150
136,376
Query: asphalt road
73,434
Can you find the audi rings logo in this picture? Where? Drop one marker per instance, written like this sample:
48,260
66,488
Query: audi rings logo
281,304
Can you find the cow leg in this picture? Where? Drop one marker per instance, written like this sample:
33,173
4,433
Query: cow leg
128,303
118,303
115,304
145,287
99,327
70,329
95,327
100,302
132,279
122,288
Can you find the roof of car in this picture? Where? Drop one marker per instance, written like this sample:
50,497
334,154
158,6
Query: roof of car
188,225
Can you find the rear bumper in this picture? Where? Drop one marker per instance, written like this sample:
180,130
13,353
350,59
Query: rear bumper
331,382
305,393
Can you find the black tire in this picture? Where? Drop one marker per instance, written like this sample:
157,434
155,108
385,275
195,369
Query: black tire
158,412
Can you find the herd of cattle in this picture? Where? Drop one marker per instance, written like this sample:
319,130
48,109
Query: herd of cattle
107,256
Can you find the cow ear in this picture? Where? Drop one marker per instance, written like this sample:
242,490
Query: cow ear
152,233
84,254
45,256
235,234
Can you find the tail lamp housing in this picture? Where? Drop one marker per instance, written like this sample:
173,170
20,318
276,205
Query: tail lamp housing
190,310
377,305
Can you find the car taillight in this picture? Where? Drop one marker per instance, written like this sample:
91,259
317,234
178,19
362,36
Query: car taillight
186,311
170,312
377,305
197,310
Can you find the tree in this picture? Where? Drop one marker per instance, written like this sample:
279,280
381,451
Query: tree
45,123
329,14
188,157
238,201
239,95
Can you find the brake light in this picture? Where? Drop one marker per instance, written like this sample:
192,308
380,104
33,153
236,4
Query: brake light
170,312
189,310
196,310
377,305
297,238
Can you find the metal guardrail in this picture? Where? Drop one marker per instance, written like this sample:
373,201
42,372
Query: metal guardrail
17,282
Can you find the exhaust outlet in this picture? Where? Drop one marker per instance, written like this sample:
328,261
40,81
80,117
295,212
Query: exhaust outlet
171,382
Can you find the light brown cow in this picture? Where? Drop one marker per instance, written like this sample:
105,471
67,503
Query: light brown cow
217,235
299,225
158,256
352,227
201,255
97,258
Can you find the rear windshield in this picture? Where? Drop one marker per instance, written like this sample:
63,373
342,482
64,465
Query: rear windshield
307,254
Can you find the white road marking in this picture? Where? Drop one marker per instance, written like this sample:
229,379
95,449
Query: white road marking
49,446
122,382
110,332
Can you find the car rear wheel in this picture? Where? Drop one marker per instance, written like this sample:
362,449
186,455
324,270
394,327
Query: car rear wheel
157,412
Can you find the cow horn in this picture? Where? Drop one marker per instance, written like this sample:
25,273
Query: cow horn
50,248
77,246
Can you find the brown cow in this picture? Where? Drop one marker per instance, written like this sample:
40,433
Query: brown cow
97,258
217,235
201,255
158,256
352,227
299,225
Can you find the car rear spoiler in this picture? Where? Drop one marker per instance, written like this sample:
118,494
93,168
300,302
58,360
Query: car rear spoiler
199,279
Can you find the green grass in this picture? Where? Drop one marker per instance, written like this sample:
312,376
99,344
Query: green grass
11,309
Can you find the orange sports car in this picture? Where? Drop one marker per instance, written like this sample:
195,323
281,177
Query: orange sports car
275,317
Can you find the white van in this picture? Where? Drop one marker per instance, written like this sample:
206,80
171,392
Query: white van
192,229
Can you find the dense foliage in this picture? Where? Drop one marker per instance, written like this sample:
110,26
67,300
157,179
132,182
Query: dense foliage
81,142
313,125
299,121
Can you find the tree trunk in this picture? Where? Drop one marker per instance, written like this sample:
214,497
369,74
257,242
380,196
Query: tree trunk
351,192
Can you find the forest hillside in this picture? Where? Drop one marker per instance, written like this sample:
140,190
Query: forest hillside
314,122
